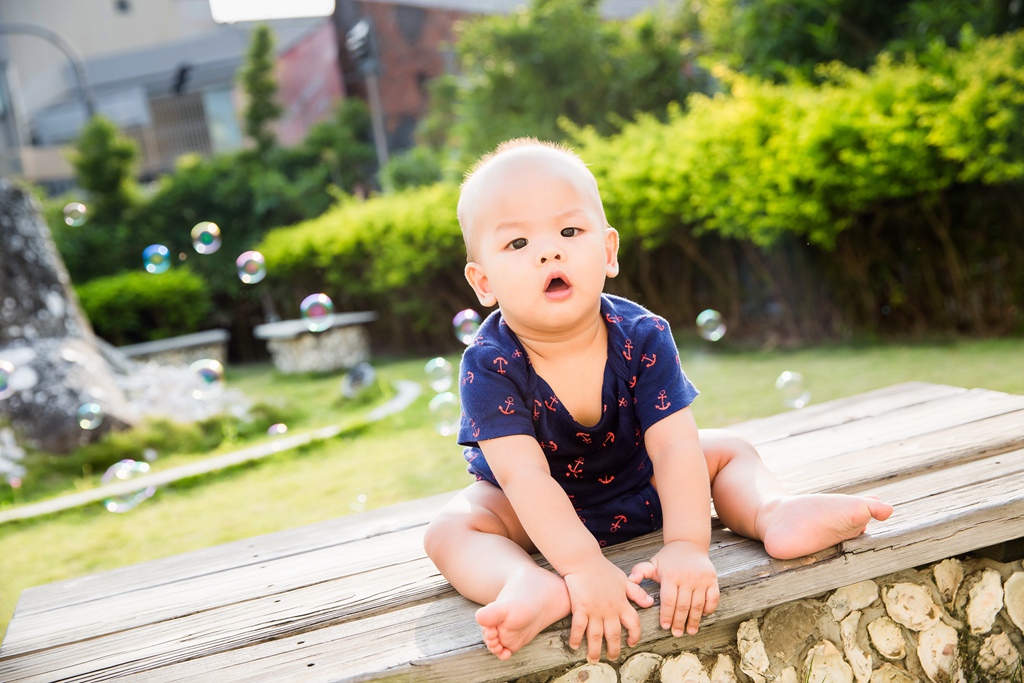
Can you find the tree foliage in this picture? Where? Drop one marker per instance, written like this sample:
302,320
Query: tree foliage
260,87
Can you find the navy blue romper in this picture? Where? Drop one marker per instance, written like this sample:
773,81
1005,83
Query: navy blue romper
604,469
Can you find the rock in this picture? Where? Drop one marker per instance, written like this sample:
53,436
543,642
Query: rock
998,656
41,324
911,605
723,671
887,673
641,668
887,637
948,575
854,597
860,661
753,658
1013,598
683,668
937,651
984,601
791,628
588,673
788,675
825,664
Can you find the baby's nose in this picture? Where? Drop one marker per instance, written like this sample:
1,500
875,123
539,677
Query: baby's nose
549,253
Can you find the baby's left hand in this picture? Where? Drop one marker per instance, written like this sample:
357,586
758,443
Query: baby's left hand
689,585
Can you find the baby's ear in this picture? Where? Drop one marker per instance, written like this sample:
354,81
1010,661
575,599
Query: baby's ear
611,249
477,279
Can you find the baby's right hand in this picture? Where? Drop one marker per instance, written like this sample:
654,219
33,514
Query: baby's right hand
599,594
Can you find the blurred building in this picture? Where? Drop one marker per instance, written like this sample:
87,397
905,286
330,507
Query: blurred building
163,70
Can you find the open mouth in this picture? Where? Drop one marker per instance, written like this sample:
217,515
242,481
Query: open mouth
557,284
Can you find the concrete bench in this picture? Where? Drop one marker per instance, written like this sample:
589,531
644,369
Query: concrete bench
181,350
295,348
355,599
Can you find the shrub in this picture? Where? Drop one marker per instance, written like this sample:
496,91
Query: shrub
140,306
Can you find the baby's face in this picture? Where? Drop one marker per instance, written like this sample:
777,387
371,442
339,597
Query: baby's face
539,242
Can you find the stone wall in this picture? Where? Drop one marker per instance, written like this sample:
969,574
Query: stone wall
959,620
332,349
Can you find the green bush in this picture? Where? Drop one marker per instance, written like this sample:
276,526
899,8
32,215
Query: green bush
139,306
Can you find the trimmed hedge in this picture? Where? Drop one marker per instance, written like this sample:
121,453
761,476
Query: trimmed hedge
139,306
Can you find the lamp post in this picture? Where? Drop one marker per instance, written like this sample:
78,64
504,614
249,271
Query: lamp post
62,44
361,44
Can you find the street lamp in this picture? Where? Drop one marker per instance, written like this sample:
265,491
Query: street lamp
62,44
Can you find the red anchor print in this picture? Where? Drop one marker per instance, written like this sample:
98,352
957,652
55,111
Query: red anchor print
536,409
501,363
609,438
507,408
607,479
549,445
649,361
575,469
613,318
468,379
602,543
632,382
584,436
662,403
619,521
551,403
659,324
479,341
517,354
476,430
627,350
623,402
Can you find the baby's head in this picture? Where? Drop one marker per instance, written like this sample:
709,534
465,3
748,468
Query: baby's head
536,234
488,175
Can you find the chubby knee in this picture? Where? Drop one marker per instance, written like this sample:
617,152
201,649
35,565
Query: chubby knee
722,445
457,518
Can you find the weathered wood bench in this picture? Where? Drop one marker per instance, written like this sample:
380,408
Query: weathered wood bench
355,599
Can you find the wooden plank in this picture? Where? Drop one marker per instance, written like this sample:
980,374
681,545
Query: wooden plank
920,511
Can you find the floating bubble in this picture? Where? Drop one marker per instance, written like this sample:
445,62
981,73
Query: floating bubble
149,454
359,504
316,310
791,386
357,379
74,214
206,237
439,373
466,323
710,325
6,370
123,471
14,481
277,429
445,409
207,378
156,258
89,416
252,267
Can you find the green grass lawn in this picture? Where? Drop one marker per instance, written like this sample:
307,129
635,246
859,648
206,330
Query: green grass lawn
403,457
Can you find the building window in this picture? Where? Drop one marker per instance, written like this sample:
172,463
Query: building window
123,6
410,22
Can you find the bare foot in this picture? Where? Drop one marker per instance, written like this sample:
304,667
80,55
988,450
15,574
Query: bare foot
794,526
530,602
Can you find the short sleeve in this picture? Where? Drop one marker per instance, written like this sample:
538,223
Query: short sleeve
662,387
492,388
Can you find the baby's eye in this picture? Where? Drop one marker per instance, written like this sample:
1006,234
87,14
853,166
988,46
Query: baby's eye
570,232
518,243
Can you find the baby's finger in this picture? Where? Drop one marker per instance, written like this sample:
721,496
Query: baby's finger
643,570
613,638
682,613
577,629
668,597
711,599
695,612
638,595
595,638
631,620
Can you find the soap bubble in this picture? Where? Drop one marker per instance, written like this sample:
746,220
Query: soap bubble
14,481
357,379
466,323
359,504
207,378
710,325
156,258
791,386
252,267
123,471
439,373
316,310
445,409
150,454
206,237
89,416
6,370
277,429
74,214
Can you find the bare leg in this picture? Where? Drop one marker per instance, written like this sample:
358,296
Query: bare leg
479,545
751,501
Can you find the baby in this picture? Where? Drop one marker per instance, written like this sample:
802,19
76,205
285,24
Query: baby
578,429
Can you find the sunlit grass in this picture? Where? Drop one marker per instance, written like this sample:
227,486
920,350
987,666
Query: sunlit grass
403,457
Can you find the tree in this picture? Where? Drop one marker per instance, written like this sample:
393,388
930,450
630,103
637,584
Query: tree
260,87
104,162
